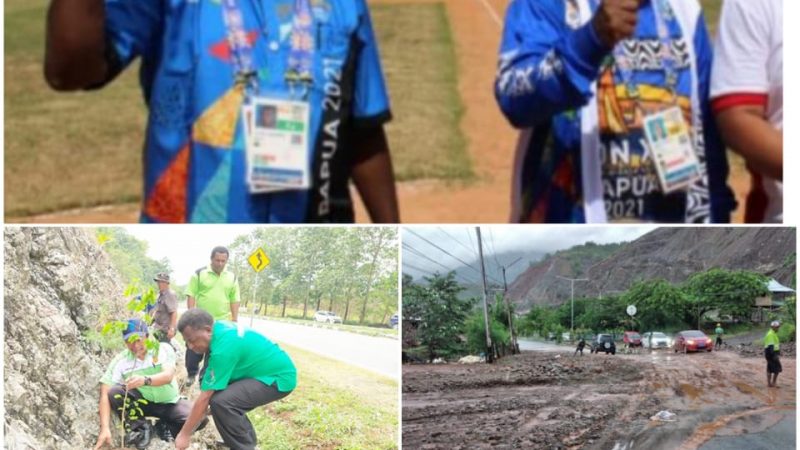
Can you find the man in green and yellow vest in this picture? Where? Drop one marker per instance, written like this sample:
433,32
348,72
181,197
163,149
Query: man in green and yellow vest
147,375
216,291
245,371
772,351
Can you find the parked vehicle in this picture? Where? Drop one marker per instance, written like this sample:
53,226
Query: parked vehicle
692,341
604,343
394,321
655,340
327,317
632,338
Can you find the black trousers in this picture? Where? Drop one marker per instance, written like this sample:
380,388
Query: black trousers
193,363
228,407
173,415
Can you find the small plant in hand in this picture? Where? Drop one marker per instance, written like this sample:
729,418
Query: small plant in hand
139,303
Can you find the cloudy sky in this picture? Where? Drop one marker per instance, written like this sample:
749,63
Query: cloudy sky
461,241
187,247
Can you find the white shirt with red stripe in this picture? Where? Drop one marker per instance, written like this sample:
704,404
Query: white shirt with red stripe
748,70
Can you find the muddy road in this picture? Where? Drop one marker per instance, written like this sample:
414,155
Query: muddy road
557,401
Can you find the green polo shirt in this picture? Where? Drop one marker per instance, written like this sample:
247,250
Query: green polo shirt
126,365
214,293
772,339
236,355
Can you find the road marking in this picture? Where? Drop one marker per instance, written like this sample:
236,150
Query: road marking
492,13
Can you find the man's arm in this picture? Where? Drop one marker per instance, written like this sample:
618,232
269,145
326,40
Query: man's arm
75,50
159,379
105,418
173,324
190,302
234,311
195,416
746,131
373,175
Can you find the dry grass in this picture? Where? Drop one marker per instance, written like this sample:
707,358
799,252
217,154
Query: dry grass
420,65
64,150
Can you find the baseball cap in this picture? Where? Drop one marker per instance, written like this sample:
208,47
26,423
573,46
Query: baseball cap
775,323
163,276
135,326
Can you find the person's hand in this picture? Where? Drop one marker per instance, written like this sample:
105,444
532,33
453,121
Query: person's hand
615,20
134,382
103,439
171,333
182,441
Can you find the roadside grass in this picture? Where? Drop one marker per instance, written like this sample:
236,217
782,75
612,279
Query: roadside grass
77,150
334,406
419,61
64,150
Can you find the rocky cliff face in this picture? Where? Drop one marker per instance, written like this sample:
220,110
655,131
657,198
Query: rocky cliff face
58,281
672,254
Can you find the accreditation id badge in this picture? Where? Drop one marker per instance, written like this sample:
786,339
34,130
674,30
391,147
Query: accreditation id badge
670,144
276,139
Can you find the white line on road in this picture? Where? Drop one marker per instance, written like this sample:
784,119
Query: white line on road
492,13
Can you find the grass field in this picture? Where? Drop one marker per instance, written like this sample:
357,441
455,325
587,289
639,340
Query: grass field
334,406
84,149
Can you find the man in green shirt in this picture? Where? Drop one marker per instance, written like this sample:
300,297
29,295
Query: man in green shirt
245,370
146,375
718,331
215,290
772,351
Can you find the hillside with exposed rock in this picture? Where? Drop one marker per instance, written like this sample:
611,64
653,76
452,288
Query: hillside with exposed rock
672,254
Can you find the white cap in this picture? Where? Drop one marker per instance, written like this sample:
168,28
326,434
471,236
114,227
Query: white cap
775,323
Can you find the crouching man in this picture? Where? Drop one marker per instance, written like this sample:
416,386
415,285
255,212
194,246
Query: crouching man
149,379
245,370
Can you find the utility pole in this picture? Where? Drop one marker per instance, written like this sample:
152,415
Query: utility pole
489,351
514,345
572,300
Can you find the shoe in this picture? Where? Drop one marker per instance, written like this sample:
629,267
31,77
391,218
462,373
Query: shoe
189,382
162,431
140,438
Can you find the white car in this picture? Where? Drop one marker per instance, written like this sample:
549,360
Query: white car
327,317
656,339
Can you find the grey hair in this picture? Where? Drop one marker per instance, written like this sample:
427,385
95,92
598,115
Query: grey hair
195,319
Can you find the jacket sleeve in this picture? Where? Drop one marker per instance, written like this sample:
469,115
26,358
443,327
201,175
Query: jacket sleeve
545,67
721,196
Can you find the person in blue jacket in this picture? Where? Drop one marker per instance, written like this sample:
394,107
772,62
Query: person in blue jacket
580,79
203,64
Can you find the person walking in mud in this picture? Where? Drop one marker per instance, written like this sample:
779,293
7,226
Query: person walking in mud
719,331
772,351
581,345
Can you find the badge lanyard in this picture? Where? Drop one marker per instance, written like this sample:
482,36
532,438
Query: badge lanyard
625,64
301,55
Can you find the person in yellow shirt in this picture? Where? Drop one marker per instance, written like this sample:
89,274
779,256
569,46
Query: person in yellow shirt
772,351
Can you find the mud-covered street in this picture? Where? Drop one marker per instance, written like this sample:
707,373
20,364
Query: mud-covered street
552,400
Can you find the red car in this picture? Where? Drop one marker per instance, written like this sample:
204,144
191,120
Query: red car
692,341
632,339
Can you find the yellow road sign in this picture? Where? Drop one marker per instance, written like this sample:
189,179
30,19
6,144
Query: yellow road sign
258,260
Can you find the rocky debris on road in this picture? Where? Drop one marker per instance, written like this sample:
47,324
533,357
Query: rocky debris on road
470,359
751,350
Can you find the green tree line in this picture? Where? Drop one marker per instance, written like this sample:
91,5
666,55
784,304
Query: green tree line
350,271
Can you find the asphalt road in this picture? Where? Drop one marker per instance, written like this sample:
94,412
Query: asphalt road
377,354
538,346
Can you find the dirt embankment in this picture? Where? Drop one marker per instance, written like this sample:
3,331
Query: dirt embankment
538,400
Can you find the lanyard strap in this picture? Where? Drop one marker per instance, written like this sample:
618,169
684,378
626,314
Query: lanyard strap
625,65
241,50
301,55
